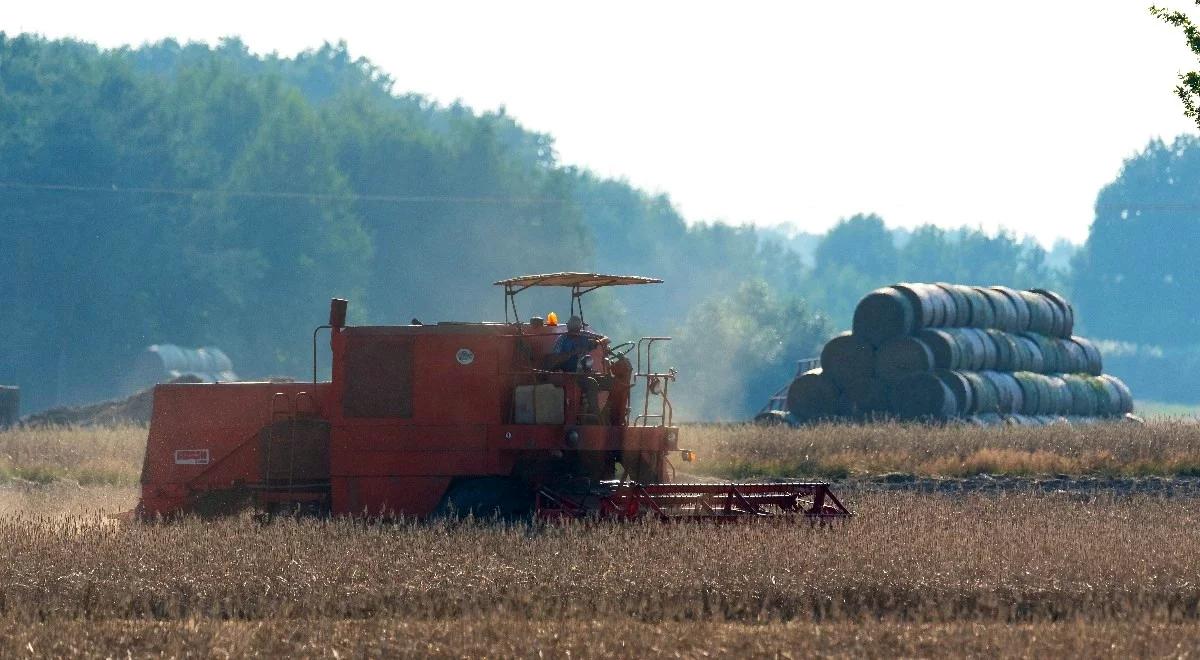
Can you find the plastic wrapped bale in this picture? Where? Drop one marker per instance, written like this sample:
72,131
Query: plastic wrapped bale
1092,362
1020,319
884,313
1125,396
813,396
1065,323
1008,392
964,395
1084,399
903,355
848,358
960,306
923,396
946,350
10,405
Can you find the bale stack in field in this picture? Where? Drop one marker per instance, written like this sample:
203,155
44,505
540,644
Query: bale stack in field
10,405
945,351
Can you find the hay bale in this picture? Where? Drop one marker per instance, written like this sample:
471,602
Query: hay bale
961,307
869,397
1008,391
982,314
1042,313
882,314
1030,392
947,354
1020,319
958,384
1005,349
10,405
1003,313
1092,362
1083,398
813,396
1126,396
847,358
927,312
903,355
923,396
984,398
1065,323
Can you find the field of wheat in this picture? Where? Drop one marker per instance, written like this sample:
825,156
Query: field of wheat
1017,574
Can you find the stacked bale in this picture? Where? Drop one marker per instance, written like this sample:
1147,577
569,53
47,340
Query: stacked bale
941,351
10,405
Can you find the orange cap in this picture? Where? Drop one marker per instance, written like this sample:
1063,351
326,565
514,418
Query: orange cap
552,319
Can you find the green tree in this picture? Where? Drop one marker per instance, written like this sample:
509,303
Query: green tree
1188,89
734,351
1136,276
861,242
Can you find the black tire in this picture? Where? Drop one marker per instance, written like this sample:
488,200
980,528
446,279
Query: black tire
504,498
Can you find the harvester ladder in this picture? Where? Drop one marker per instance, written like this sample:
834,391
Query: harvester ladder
288,412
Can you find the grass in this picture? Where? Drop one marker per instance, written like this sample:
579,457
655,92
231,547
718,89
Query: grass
1168,448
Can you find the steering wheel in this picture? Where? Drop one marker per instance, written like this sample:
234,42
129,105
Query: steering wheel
619,350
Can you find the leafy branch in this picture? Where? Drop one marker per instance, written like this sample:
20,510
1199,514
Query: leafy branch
1188,90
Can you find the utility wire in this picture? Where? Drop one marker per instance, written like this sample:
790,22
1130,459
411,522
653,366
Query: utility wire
410,199
264,194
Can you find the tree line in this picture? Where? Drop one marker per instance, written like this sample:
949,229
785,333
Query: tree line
204,195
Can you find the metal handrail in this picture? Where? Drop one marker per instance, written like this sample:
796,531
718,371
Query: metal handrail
666,413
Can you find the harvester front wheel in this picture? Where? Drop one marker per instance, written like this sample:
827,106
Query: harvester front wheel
505,498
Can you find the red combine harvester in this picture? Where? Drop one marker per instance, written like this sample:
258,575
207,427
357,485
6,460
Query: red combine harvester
512,418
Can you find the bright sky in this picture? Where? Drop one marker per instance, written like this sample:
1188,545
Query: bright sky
991,114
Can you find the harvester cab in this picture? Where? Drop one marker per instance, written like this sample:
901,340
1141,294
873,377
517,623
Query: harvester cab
513,418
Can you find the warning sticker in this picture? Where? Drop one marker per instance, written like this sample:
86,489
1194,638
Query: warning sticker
191,457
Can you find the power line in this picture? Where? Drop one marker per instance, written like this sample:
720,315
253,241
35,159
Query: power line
267,194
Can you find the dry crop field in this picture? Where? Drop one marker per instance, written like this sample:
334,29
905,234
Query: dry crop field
1015,574
1167,448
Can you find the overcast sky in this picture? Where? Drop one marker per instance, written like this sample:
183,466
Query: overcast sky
992,114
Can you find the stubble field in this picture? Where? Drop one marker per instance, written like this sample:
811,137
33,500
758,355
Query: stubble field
1019,573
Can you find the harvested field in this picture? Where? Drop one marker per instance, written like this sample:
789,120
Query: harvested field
1014,574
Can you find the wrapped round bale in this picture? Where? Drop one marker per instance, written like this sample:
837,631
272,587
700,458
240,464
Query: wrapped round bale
813,396
884,313
848,358
1020,319
947,351
1126,401
1092,362
923,396
1065,316
903,355
961,388
961,307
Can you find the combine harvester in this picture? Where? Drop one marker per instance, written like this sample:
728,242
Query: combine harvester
421,420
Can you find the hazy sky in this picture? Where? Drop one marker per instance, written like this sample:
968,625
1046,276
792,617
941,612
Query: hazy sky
992,114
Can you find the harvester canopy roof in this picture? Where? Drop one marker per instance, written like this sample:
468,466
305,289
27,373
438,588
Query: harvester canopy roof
576,280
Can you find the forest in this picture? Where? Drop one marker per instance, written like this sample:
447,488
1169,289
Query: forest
206,195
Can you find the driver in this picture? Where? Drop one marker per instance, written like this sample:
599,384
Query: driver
570,347
567,355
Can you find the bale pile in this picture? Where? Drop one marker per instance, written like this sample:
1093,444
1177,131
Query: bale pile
946,351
